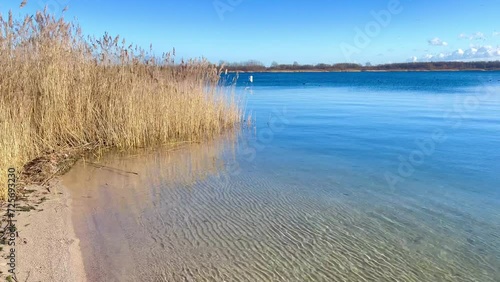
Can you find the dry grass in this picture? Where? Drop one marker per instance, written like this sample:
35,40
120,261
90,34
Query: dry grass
59,89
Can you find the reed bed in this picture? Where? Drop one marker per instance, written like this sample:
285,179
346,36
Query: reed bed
61,89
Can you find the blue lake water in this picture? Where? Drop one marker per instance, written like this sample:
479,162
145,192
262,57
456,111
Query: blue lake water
340,177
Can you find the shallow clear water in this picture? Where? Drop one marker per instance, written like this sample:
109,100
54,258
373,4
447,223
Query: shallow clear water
342,177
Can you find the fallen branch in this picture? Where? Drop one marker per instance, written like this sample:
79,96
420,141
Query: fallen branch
112,168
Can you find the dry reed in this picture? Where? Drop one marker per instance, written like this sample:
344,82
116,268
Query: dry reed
60,89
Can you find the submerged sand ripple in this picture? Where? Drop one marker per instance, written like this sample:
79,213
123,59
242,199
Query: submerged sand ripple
266,227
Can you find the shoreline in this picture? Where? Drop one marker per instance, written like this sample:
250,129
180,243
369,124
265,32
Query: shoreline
47,246
356,71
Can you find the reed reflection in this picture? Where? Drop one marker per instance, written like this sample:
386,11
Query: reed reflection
115,195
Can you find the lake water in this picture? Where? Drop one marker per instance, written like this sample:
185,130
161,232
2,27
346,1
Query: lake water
341,177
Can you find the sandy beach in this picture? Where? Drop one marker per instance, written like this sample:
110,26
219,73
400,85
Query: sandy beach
47,247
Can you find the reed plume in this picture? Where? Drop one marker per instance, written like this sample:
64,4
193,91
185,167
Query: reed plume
60,89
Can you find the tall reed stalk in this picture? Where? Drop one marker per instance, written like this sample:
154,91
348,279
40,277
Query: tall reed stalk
60,89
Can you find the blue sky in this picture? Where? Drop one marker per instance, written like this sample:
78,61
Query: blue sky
328,31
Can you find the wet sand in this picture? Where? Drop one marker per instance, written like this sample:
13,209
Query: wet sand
103,191
47,247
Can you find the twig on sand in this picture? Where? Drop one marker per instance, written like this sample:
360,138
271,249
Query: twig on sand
49,178
112,168
27,277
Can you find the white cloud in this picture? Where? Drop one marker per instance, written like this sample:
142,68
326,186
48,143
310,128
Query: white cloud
456,54
475,36
431,57
437,42
496,33
413,59
485,52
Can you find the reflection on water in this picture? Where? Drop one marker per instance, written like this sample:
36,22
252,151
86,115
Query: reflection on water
112,195
311,203
177,221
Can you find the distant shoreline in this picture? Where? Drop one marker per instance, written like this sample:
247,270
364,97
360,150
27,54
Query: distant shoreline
325,71
254,66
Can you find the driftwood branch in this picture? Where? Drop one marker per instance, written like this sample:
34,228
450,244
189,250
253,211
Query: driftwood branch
112,168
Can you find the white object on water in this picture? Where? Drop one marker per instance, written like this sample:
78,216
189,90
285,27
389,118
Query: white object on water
226,71
250,79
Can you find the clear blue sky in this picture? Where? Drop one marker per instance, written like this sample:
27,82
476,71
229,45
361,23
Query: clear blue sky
288,31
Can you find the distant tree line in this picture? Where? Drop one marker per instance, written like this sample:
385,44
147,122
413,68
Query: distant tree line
248,66
256,66
480,65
